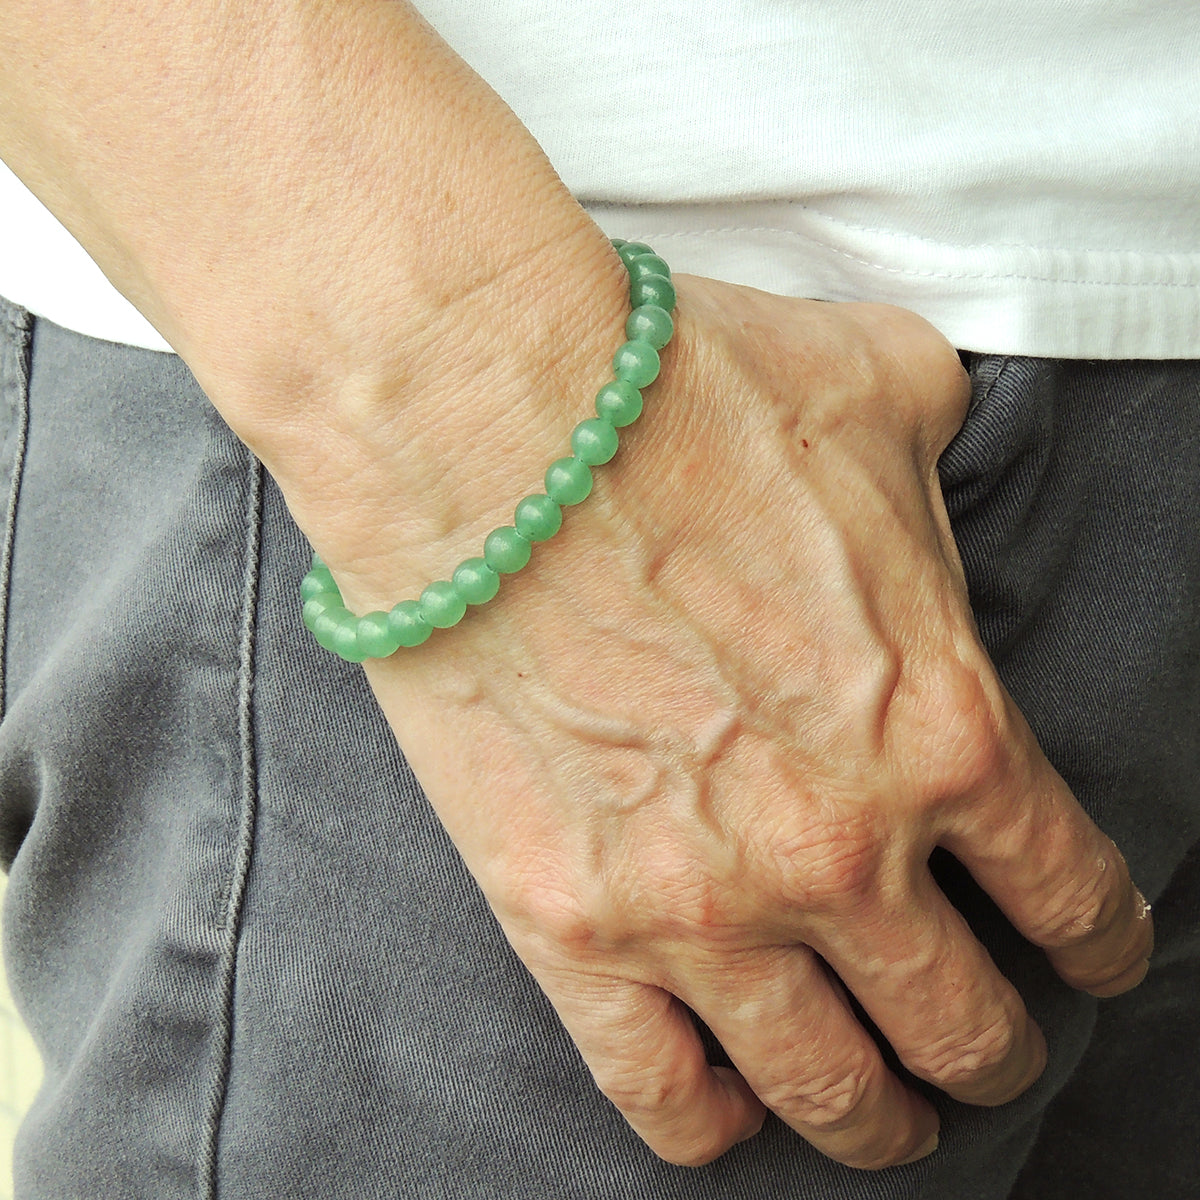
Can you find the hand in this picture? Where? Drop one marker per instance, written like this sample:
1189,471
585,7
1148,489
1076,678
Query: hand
705,744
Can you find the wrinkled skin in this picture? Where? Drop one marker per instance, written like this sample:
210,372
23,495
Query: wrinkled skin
705,744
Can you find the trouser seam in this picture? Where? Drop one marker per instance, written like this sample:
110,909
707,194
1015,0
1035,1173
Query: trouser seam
1002,368
248,796
20,325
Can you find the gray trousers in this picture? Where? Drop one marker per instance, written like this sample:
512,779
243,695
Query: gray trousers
255,966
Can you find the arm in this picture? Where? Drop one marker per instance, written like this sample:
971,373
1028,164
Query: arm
716,729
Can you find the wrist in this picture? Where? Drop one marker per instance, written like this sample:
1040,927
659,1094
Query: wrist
402,464
537,517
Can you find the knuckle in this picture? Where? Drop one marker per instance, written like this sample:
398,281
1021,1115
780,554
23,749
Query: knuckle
956,1063
833,867
962,738
552,912
653,1102
826,1104
642,1096
1087,904
664,897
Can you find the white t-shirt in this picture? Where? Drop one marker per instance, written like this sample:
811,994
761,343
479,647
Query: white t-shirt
1024,173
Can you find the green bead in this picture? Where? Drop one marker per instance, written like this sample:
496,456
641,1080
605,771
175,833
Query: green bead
318,582
636,363
441,605
345,643
538,518
631,250
654,289
408,624
617,243
337,630
322,621
649,323
619,403
594,441
317,561
376,637
315,606
506,549
568,481
646,265
475,581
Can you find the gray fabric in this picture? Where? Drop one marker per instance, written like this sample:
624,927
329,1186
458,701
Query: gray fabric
250,956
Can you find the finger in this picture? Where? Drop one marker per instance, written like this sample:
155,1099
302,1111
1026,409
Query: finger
646,1056
792,1034
935,994
1059,879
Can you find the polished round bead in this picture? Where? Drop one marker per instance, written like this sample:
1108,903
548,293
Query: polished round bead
654,289
345,642
594,441
441,605
568,481
632,250
617,243
645,265
475,581
337,630
636,363
318,582
315,606
322,619
376,637
538,518
619,403
649,323
506,549
408,624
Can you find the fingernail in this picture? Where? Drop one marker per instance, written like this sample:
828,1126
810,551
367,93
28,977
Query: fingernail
925,1151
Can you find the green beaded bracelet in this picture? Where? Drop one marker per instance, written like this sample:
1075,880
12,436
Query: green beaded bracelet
538,517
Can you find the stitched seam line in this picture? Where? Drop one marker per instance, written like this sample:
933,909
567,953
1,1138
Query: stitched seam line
899,235
231,925
23,328
812,239
1004,368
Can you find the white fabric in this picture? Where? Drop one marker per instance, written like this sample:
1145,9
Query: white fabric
1022,172
44,269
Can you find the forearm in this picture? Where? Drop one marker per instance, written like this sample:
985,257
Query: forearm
346,234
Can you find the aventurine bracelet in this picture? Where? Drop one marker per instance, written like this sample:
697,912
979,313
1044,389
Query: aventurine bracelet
537,517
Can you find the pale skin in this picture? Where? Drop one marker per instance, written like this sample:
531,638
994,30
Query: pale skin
717,727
